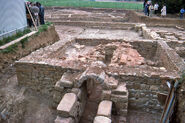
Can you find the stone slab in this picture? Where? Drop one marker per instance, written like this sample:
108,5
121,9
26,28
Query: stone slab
101,119
66,80
120,90
67,106
105,108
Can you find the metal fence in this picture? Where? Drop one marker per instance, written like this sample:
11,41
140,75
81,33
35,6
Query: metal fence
12,17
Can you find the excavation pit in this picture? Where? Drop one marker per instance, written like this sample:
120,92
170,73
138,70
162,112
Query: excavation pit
103,68
127,71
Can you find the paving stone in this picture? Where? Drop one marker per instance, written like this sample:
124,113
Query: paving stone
101,119
64,120
67,106
105,108
120,90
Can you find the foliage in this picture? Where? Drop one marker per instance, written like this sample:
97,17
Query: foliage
91,4
13,37
11,48
14,47
23,41
173,6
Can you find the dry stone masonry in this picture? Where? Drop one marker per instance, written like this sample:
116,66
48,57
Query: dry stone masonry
98,73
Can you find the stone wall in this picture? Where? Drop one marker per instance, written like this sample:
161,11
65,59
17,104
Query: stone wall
39,77
34,42
181,102
143,92
168,58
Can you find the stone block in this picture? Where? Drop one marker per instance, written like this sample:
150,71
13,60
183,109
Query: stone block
64,120
154,88
101,119
123,112
110,83
119,98
66,80
121,105
120,90
68,105
57,96
105,108
59,87
122,119
106,95
78,92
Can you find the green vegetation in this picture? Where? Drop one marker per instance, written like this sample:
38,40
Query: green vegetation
173,6
16,36
43,28
91,4
11,48
23,41
14,47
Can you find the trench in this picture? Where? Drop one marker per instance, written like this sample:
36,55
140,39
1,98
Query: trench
91,100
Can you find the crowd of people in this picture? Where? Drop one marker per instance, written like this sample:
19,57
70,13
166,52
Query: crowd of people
149,9
36,10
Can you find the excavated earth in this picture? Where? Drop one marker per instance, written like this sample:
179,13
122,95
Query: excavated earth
93,42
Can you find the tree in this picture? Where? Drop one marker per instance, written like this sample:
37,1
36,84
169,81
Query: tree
173,6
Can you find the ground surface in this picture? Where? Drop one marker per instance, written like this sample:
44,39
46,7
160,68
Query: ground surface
32,107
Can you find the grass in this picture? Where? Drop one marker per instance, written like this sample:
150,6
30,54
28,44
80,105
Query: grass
14,47
91,4
16,36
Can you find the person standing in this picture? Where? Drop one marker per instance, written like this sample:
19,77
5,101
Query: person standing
156,7
182,11
41,13
35,12
163,11
151,9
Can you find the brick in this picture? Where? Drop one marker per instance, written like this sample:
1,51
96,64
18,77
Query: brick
68,104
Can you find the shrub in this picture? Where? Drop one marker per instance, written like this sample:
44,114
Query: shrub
173,6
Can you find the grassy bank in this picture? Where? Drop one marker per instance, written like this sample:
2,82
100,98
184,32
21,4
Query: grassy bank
91,4
14,37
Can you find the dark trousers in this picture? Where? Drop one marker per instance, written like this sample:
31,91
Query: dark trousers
181,15
42,20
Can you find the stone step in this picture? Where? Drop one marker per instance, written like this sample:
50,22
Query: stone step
120,90
68,105
105,108
101,119
64,120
